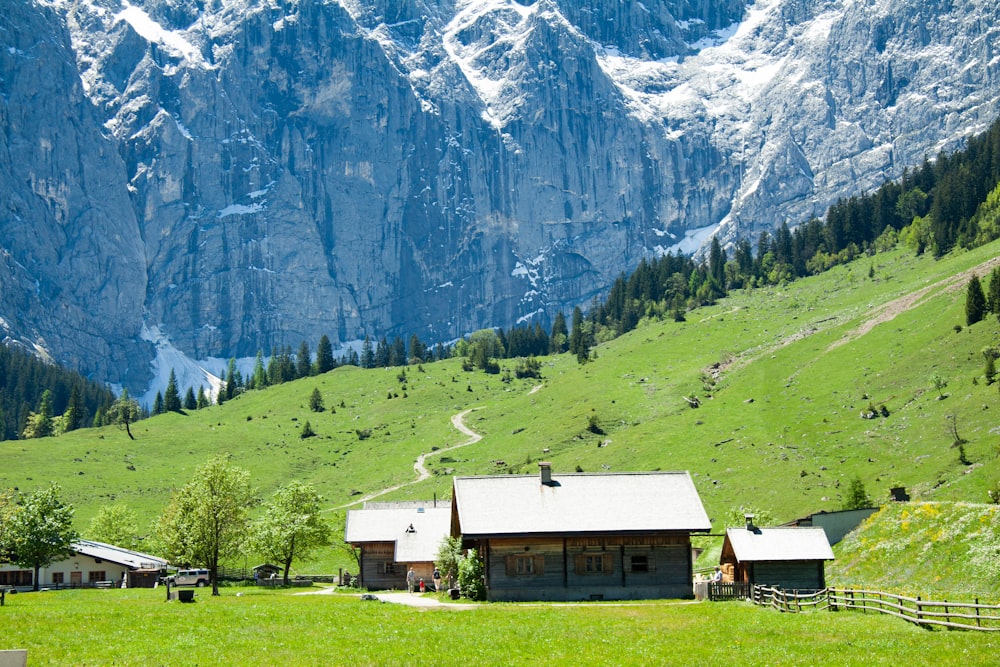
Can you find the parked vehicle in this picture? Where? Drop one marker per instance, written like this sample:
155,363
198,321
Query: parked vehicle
197,578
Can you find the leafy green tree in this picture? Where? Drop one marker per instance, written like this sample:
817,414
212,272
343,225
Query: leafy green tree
7,508
206,520
470,576
449,556
316,400
761,517
292,526
38,530
324,356
857,496
115,524
123,412
171,397
975,301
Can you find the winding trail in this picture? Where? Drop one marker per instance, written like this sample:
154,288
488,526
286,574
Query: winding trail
418,466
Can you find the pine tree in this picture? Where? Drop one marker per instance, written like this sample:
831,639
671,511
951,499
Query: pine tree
171,397
202,400
993,294
158,404
316,401
975,302
260,378
324,356
367,354
73,416
303,364
190,403
559,340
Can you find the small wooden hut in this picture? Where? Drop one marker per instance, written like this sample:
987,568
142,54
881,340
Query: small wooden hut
792,558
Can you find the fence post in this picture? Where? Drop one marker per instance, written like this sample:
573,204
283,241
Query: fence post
978,623
947,618
920,617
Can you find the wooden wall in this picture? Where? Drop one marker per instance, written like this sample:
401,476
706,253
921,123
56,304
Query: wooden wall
380,572
602,567
796,574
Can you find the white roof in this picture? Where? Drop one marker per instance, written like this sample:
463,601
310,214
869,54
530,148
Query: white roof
416,531
131,559
578,503
772,544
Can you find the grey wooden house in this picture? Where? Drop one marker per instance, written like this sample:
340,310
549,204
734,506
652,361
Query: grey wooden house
581,536
793,558
393,537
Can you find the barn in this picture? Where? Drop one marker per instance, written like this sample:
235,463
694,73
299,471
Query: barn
793,558
393,537
580,536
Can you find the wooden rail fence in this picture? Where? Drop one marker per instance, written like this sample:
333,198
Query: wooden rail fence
951,615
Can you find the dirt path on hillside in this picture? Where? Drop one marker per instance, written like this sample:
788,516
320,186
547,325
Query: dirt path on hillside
888,311
418,466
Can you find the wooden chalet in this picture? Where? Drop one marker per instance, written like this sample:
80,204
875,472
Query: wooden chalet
393,537
793,558
609,536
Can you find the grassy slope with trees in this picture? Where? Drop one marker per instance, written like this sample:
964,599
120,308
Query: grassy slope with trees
782,375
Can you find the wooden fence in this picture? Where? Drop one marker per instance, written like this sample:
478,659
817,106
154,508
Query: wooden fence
951,615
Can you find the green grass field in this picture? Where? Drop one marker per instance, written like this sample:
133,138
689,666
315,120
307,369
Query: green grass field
137,627
782,375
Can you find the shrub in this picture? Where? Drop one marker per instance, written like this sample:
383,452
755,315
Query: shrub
470,576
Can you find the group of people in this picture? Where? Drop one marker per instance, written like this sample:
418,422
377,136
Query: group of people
412,583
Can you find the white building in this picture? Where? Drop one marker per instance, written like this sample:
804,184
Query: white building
90,564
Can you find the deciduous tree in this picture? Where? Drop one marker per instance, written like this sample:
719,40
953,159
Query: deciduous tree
124,411
206,520
292,526
115,524
38,530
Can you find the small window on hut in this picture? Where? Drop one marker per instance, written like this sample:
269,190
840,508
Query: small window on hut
389,568
595,563
57,578
641,563
523,565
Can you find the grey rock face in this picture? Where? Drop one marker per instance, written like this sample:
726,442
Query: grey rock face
241,175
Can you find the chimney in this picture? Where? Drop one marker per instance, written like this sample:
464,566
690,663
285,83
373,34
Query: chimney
749,518
545,468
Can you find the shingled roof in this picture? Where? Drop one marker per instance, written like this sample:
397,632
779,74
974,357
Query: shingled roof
576,503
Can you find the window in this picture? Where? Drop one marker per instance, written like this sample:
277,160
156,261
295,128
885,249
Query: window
96,575
389,568
594,563
523,565
640,563
57,578
15,578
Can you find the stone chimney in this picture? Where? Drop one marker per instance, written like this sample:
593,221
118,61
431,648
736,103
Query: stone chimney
749,519
545,469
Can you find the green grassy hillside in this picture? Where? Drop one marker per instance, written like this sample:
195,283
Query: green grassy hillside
939,550
782,376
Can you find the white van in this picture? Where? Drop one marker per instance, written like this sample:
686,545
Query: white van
197,578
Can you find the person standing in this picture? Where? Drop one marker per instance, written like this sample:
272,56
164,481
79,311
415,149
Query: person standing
437,579
411,580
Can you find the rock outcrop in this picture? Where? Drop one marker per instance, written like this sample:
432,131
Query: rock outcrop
240,175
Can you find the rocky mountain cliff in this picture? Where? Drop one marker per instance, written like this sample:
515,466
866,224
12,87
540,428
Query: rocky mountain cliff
217,177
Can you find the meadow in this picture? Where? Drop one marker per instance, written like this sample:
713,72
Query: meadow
782,376
138,627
